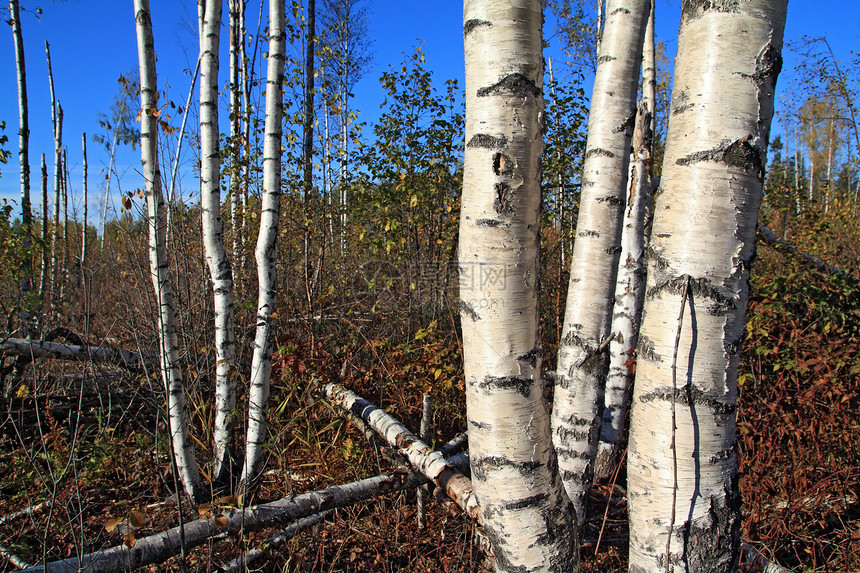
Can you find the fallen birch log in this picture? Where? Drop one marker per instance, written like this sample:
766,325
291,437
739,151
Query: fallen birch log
161,546
243,562
770,238
422,457
58,351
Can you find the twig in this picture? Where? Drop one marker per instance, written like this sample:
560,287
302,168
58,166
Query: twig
674,398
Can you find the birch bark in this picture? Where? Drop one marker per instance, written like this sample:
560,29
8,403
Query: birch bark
266,251
582,357
85,206
220,272
682,465
183,447
630,284
236,7
23,157
527,516
629,296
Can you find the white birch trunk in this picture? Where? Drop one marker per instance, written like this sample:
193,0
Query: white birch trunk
629,295
630,284
46,263
236,7
266,251
86,209
682,464
582,359
527,516
23,160
220,272
183,446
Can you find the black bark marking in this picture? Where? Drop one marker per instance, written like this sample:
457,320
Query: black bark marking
613,250
690,395
599,152
466,309
739,154
621,10
533,501
470,25
713,542
588,233
486,141
488,223
521,385
531,357
480,425
481,466
606,58
612,200
702,288
697,8
645,349
627,125
514,84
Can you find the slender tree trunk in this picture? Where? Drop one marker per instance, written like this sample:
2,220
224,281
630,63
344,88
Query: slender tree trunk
582,356
559,190
649,79
682,463
86,198
66,178
107,188
46,262
180,438
308,145
246,140
527,516
220,272
236,7
58,193
266,251
629,295
24,162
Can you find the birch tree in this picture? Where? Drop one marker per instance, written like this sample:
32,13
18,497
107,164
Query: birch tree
683,468
582,356
266,251
177,419
23,153
630,283
527,516
220,272
237,38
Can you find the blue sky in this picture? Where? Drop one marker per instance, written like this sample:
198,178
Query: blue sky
93,42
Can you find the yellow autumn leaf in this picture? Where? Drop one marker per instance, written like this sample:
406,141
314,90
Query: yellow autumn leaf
112,523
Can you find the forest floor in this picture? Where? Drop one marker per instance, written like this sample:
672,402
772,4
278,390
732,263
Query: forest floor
799,423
